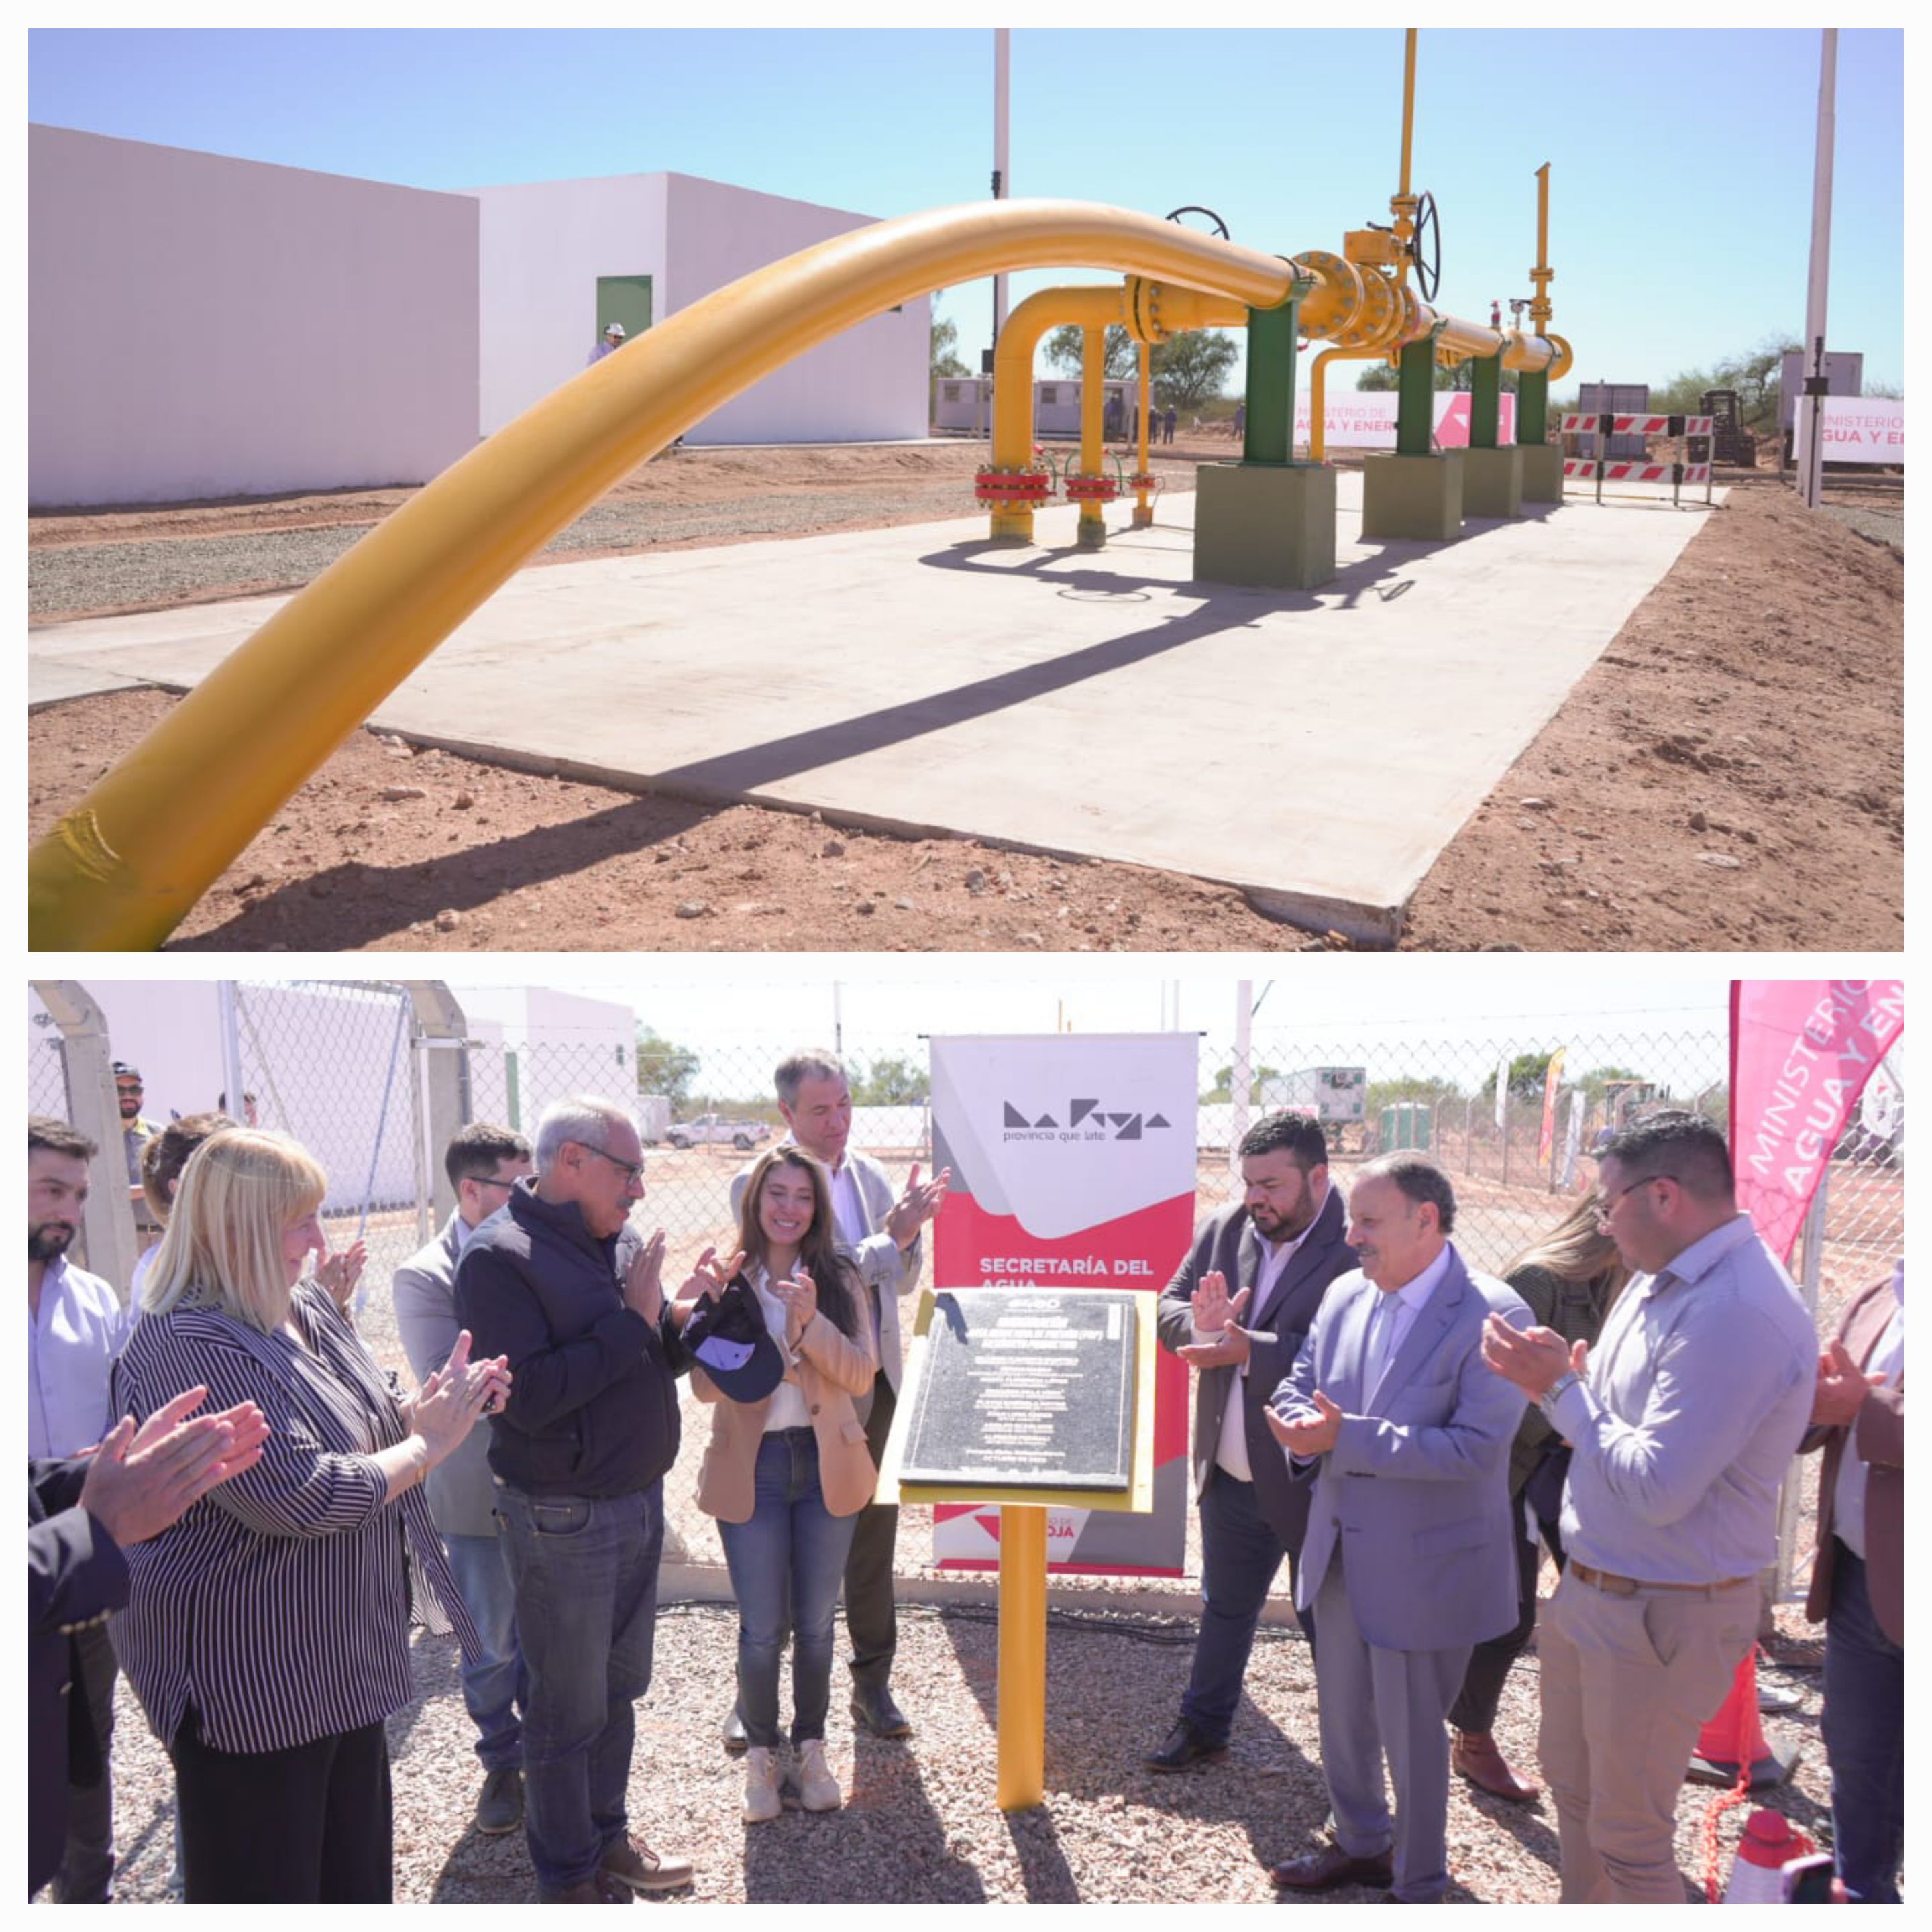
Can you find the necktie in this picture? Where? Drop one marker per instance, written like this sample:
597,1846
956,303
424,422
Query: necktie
1381,1344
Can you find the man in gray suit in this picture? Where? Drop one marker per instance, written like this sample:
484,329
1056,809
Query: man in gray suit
481,1162
882,1233
1236,1312
1410,1560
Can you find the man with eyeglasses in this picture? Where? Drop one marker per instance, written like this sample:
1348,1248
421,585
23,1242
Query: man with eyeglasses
565,1287
484,1163
1683,1419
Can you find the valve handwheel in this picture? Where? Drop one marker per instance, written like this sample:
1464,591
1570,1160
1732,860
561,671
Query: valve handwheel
1220,226
1425,246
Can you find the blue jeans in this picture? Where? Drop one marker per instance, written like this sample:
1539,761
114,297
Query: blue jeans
1241,1556
585,1572
494,1686
786,1564
1864,1726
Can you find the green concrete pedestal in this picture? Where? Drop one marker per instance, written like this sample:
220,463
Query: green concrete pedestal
1415,497
1268,524
1492,482
1090,534
1542,472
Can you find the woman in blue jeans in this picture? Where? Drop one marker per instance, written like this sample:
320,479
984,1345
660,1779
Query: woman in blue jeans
786,1476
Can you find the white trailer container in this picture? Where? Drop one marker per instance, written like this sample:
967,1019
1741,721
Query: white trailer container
1331,1093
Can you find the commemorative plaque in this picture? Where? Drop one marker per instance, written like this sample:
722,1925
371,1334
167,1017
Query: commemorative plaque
1026,1388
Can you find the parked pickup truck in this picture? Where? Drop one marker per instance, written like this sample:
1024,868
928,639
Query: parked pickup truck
715,1130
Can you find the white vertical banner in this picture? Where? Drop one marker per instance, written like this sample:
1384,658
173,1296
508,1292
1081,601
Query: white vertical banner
1073,1160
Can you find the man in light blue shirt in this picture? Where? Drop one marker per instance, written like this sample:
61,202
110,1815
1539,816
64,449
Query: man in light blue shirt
1684,1421
76,1326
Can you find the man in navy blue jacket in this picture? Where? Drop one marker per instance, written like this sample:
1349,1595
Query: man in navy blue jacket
560,1284
79,1514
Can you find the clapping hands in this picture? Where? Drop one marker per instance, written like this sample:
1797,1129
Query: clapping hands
1215,1312
916,1206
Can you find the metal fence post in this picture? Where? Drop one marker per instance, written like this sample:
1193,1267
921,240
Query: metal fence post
442,1041
1810,1271
107,1220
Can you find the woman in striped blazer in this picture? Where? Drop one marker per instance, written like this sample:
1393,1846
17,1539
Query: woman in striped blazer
266,1632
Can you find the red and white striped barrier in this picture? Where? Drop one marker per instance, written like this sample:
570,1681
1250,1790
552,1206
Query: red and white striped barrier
1675,474
1613,425
1638,473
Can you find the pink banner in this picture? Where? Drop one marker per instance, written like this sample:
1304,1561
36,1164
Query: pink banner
1801,1051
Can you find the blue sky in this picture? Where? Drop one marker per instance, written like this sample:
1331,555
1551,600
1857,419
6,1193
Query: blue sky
1682,160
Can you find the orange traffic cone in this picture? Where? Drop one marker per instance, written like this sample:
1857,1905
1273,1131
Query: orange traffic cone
1732,1748
1757,1876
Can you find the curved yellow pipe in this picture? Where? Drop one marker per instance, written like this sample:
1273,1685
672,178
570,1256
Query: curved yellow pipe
123,867
1318,395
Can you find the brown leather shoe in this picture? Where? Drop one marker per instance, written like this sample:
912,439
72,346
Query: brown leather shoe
1331,1867
1473,1756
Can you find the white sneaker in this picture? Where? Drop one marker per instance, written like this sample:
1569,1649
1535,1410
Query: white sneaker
761,1785
818,1789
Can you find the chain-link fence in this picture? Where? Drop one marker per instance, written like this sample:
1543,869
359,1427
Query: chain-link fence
335,1065
373,1077
46,1067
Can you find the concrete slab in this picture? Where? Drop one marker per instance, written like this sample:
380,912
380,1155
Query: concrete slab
1315,748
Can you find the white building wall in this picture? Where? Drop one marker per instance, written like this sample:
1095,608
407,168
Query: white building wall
867,385
541,246
200,326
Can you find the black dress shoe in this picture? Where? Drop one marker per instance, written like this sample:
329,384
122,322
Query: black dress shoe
873,1710
1185,1745
1332,1867
735,1742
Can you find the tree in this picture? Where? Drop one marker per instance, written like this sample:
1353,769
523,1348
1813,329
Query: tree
1120,358
1191,369
665,1067
1222,1090
946,361
1527,1072
1431,1092
891,1081
1378,376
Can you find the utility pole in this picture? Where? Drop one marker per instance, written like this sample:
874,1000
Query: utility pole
1002,81
1810,416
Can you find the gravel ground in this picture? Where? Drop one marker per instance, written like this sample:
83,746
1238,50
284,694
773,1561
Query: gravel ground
64,577
920,1823
1880,526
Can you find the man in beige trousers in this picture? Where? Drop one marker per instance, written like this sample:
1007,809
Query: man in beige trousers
1684,1419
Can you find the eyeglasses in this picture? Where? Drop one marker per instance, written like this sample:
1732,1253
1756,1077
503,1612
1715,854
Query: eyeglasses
633,1170
1605,1202
490,1180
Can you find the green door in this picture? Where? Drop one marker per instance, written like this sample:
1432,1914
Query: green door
626,299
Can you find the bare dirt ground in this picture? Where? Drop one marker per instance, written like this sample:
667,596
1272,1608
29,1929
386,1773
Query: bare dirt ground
1729,776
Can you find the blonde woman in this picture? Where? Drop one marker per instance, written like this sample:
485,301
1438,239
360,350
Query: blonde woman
266,1632
1570,1278
786,1475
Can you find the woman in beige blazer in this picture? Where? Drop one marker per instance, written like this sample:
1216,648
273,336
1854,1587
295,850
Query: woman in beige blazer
786,1477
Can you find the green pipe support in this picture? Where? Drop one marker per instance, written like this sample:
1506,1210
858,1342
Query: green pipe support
1486,389
1415,399
1532,407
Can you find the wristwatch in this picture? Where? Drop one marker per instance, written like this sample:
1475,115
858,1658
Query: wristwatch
1553,1394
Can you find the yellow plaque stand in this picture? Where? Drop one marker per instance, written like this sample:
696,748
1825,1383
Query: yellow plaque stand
1022,1664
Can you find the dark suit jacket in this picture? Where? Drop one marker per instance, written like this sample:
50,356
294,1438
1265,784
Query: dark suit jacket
75,1575
1879,1429
1227,1243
